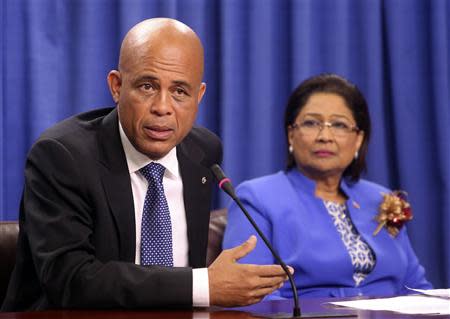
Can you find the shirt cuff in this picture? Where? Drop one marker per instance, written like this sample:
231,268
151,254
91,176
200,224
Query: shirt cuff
200,287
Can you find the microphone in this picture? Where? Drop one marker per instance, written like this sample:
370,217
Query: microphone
225,184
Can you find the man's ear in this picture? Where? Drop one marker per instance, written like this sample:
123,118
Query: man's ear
201,92
114,83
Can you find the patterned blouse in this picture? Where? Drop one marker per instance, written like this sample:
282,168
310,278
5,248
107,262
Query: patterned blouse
362,256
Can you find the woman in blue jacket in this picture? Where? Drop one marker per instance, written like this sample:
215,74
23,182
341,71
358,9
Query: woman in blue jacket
318,214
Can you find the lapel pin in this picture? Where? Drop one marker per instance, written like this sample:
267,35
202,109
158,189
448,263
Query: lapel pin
356,205
203,180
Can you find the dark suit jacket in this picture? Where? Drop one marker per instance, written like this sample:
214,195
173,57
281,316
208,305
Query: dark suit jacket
76,246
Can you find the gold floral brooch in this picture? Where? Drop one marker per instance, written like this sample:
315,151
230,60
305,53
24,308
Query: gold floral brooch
393,212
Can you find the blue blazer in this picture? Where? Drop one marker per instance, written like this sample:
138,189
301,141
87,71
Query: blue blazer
299,227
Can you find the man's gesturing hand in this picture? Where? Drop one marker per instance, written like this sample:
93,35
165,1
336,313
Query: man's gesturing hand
232,284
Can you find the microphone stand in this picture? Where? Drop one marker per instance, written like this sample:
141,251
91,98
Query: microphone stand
225,185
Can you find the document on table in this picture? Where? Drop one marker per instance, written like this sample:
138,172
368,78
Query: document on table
443,293
414,304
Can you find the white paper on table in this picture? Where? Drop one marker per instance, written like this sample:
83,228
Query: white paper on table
403,304
442,293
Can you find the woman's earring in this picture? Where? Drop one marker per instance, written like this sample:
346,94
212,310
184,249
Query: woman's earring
356,155
291,149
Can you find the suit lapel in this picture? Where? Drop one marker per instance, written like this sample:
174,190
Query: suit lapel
116,182
197,181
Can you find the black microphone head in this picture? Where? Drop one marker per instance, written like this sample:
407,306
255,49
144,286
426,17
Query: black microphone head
224,181
218,172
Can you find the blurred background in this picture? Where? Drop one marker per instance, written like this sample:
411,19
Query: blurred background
55,56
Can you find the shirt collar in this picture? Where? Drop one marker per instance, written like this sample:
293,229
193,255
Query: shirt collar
136,160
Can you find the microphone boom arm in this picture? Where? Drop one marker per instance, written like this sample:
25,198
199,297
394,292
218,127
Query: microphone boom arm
296,311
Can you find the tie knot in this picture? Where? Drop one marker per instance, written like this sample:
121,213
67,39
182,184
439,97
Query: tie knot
153,172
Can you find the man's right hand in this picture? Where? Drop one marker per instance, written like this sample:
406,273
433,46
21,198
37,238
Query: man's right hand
232,284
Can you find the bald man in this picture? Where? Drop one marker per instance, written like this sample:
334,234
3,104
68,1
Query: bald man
83,235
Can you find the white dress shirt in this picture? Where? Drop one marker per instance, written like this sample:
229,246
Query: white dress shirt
173,189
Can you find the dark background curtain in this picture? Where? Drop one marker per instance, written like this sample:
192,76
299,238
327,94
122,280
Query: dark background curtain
55,56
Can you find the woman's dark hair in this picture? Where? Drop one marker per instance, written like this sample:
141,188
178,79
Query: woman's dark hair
355,101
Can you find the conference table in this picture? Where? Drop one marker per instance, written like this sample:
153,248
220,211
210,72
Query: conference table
261,310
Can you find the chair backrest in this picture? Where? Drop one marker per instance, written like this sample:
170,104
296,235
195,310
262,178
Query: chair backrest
8,241
217,223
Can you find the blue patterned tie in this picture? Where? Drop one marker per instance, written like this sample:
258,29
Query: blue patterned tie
156,231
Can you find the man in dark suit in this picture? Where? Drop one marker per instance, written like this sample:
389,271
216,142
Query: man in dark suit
82,209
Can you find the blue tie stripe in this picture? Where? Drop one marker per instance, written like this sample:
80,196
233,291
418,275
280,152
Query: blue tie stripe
156,231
